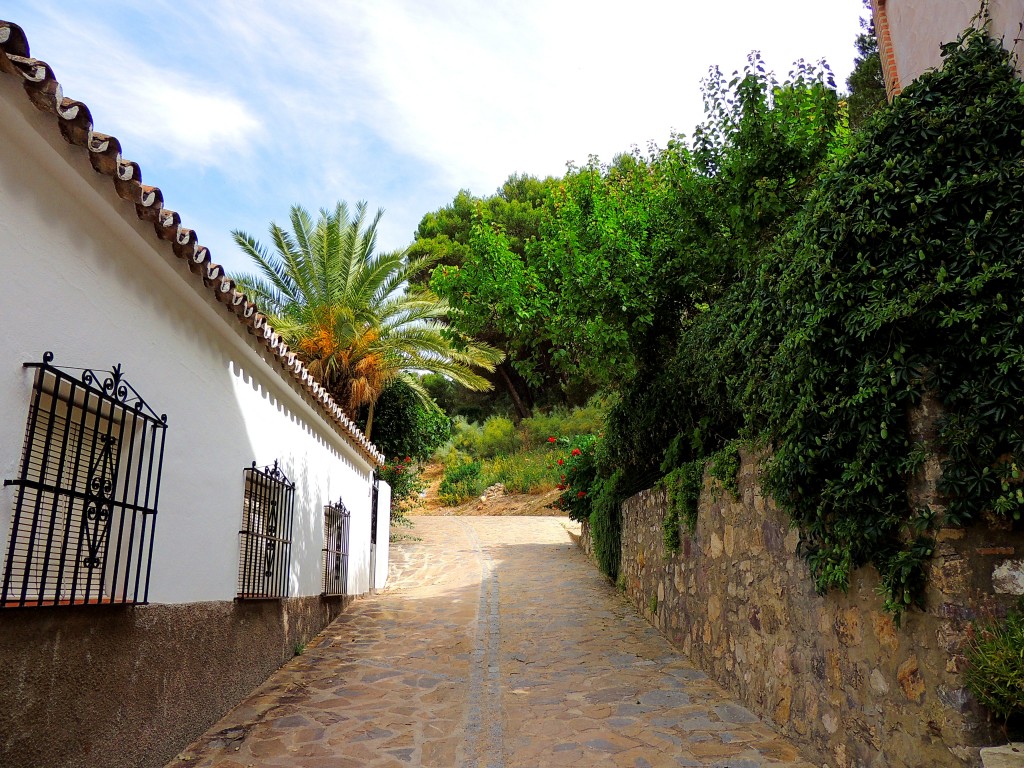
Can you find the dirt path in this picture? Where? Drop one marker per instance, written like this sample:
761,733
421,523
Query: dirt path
494,502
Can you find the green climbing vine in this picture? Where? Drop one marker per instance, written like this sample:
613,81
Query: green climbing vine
682,494
724,466
904,279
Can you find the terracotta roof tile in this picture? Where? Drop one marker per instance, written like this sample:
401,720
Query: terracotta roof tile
74,121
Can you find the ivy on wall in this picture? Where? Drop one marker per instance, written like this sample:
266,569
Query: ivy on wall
906,276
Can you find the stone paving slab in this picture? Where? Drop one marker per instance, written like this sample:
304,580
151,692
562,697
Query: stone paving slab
497,645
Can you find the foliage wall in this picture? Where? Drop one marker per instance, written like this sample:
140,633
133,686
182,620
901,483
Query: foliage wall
780,278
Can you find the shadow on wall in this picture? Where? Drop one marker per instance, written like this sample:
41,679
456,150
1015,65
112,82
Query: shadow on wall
322,474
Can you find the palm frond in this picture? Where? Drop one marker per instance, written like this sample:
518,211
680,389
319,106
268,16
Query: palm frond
348,311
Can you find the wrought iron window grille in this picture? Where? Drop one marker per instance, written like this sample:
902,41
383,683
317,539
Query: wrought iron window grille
86,495
265,542
337,527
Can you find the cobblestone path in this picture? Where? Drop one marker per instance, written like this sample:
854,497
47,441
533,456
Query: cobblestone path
497,645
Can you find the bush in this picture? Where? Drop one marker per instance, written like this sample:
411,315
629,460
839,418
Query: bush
403,425
578,475
498,438
562,422
996,672
682,495
606,523
461,482
724,466
406,483
467,437
903,283
526,472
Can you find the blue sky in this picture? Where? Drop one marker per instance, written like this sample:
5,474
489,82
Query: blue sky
237,109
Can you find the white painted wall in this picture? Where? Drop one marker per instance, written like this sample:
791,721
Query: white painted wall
383,536
919,27
82,277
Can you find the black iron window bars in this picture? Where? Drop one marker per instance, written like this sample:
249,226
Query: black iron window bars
86,497
265,541
337,522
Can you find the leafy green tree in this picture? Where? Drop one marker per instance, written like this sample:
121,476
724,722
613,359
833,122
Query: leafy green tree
348,312
866,82
483,250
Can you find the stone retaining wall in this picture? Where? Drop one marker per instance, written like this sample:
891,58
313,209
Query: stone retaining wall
833,673
113,687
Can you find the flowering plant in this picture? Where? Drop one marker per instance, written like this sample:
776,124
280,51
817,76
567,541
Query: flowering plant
580,473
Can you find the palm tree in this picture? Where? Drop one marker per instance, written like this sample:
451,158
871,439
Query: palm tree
349,312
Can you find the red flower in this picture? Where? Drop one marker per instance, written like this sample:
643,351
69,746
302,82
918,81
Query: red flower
576,452
581,494
563,477
551,440
560,462
407,459
560,486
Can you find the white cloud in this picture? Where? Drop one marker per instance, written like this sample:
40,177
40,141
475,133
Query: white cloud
482,92
401,102
181,114
192,125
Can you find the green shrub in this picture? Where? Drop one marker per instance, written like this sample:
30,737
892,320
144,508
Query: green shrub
498,437
606,523
724,466
995,674
467,436
403,425
450,456
460,483
561,422
404,477
903,283
526,472
578,475
682,494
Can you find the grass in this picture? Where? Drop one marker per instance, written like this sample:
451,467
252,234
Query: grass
521,457
995,674
534,471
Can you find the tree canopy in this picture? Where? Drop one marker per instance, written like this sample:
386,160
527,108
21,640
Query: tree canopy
350,312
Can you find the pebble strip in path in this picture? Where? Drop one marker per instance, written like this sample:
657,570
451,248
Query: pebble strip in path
497,645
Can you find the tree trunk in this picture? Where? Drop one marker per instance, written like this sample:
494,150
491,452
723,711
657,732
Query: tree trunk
522,410
369,420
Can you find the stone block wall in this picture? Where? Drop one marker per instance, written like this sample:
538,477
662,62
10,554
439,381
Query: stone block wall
831,672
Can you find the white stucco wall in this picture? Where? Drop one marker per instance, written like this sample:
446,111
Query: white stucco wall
83,278
383,533
919,27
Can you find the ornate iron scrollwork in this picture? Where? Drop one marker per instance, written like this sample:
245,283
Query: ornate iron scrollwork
87,491
274,472
99,501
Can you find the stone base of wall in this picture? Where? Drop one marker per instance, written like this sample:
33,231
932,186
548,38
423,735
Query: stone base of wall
831,672
108,687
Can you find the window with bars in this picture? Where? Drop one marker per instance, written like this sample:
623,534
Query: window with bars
85,499
265,542
337,520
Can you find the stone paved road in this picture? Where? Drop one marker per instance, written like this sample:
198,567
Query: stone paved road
497,645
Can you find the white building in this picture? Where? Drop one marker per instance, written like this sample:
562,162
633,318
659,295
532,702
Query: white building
161,568
911,33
